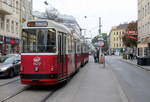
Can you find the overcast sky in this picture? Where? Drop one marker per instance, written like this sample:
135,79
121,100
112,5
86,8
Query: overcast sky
112,12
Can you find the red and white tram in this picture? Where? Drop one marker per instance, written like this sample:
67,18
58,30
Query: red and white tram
84,52
50,53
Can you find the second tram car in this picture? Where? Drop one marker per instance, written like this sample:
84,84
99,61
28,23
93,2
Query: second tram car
50,53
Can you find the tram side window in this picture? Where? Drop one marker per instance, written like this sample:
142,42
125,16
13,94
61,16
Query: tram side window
69,45
72,45
51,41
78,48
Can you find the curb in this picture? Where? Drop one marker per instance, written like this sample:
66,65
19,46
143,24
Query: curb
135,65
122,94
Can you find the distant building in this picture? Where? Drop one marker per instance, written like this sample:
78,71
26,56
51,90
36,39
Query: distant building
143,27
115,38
12,14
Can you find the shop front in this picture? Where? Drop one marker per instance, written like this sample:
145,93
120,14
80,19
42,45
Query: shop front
1,43
11,45
143,49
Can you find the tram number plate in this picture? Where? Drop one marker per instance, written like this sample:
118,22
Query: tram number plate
35,80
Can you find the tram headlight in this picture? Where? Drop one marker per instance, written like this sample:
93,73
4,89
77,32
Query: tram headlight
21,69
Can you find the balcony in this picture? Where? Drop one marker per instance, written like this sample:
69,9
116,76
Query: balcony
5,9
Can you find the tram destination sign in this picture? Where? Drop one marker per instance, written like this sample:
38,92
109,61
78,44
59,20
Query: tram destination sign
37,24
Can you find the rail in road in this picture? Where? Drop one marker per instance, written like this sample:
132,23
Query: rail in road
42,94
9,82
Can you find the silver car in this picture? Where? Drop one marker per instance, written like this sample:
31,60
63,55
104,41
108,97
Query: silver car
9,66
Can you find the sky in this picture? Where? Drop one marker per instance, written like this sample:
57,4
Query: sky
112,12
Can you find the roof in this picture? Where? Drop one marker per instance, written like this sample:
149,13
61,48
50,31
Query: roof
122,26
51,24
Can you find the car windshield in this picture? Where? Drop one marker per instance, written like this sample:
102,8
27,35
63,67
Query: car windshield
3,58
10,60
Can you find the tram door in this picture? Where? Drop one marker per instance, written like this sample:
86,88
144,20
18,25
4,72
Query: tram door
62,53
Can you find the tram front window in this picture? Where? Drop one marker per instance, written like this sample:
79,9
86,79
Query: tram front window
39,41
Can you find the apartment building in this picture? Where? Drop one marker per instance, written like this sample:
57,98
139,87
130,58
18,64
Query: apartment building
12,14
115,38
143,27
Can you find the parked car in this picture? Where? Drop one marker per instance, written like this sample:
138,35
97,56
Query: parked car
10,65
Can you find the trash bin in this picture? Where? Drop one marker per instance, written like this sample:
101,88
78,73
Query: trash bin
143,61
138,60
147,61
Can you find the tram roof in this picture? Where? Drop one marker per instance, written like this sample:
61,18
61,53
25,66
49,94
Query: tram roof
51,24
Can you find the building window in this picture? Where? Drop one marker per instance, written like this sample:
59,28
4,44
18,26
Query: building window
14,5
146,51
12,26
8,25
148,8
8,2
2,23
140,51
17,28
17,6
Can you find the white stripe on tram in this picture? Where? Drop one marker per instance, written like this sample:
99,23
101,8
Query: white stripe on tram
39,54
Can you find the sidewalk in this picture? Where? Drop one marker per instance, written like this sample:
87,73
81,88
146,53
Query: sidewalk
134,62
93,83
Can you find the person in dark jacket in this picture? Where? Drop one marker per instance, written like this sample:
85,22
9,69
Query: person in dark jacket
97,55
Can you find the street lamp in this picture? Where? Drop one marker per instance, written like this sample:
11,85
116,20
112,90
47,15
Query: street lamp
46,3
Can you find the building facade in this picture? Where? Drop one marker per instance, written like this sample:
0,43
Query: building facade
11,17
143,27
115,39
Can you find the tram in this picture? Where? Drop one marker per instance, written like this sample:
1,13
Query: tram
50,53
84,52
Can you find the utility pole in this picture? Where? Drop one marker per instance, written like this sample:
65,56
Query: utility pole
99,25
100,40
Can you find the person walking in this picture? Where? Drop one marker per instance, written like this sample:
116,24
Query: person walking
97,55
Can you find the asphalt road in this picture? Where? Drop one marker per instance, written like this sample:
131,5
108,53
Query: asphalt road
134,81
92,83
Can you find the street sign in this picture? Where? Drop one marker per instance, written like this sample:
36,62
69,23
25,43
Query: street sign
101,43
100,39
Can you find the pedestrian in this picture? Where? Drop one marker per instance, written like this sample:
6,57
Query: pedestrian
102,60
97,55
131,55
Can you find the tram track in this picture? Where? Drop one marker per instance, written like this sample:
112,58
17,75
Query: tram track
57,87
13,95
48,96
31,91
7,83
32,94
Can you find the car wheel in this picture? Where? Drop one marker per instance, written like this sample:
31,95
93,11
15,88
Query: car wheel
11,73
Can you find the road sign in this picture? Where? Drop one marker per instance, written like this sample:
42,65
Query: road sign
101,43
100,39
